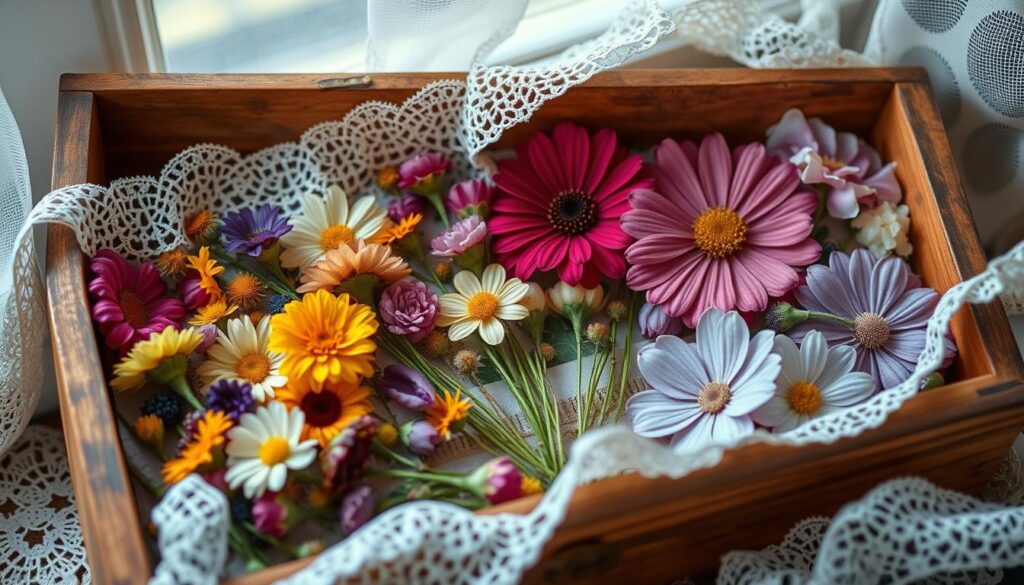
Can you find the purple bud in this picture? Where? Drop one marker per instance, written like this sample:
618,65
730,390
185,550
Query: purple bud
654,322
404,206
420,437
356,508
192,294
407,387
498,480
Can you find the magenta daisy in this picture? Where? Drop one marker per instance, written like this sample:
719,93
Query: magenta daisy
724,230
559,202
129,303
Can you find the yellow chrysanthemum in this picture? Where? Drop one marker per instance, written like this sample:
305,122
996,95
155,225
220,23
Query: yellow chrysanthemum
210,433
208,270
146,356
393,234
324,338
447,410
213,312
329,410
340,265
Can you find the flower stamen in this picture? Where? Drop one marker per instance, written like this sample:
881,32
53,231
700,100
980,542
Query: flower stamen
482,305
322,409
871,330
135,311
804,398
719,232
253,367
334,236
275,450
572,212
714,397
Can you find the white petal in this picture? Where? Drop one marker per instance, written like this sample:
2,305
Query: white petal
672,366
850,389
722,341
466,283
791,365
773,412
813,355
278,475
840,361
652,414
513,312
492,331
493,278
462,329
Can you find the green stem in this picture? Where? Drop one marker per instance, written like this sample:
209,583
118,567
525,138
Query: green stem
627,361
831,317
577,328
435,200
179,385
385,451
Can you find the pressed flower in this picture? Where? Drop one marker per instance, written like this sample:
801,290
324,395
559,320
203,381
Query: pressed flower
356,508
704,392
327,410
409,308
558,205
884,229
242,354
202,226
212,313
482,304
231,397
207,269
423,173
851,170
724,230
209,434
396,233
327,223
448,412
251,233
815,380
162,356
654,322
173,263
470,197
340,270
325,339
405,205
420,437
406,386
264,446
245,290
882,312
129,303
343,461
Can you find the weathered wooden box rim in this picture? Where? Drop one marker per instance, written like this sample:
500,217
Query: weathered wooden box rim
114,125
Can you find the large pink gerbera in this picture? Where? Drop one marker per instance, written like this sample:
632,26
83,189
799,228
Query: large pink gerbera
128,302
723,230
559,202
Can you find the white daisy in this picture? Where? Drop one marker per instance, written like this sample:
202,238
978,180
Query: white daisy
326,223
482,304
815,380
241,354
264,446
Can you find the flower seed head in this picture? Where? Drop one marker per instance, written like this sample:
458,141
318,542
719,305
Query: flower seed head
466,361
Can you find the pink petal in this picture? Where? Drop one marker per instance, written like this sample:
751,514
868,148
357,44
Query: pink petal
714,163
546,162
677,180
573,145
773,189
619,177
776,277
602,147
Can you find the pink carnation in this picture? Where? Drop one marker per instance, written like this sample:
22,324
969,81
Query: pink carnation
421,168
460,237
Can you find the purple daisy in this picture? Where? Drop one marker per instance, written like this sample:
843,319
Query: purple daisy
251,233
231,397
882,312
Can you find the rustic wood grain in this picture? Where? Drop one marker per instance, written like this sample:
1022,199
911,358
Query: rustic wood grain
103,493
625,528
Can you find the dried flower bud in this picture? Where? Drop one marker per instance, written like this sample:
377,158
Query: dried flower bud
436,344
782,317
534,299
173,263
443,270
934,380
387,177
466,361
616,310
597,333
567,300
654,322
547,351
387,434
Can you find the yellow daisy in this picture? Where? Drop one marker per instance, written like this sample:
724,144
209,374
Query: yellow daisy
208,270
338,266
324,339
482,304
328,411
241,354
163,356
210,434
327,223
395,233
213,312
447,411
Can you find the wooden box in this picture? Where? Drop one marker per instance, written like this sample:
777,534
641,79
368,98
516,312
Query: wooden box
619,529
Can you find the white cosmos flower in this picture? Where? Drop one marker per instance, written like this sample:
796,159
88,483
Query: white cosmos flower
326,223
264,446
815,380
482,304
241,354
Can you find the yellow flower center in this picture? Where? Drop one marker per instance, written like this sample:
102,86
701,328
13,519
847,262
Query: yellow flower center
714,397
804,398
719,232
333,237
275,450
198,223
870,330
134,310
482,306
832,164
245,290
253,367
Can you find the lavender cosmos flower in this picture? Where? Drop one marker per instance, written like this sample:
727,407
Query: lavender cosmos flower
420,437
654,322
471,197
882,312
356,508
704,392
498,480
423,172
460,237
251,233
408,307
406,386
342,462
850,169
231,397
404,206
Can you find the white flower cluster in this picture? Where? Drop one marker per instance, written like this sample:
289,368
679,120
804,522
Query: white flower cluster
884,229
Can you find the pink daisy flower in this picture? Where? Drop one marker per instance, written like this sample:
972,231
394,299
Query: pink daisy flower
724,230
128,302
559,202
